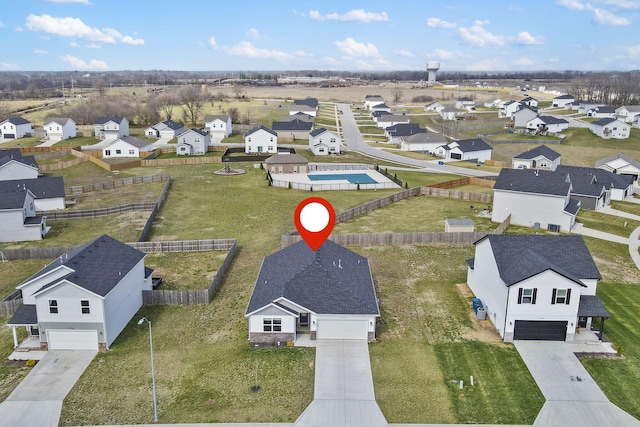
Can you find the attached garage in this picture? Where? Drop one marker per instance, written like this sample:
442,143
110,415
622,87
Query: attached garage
540,330
456,156
343,329
72,339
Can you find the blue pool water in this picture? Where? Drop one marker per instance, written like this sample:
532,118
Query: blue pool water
353,178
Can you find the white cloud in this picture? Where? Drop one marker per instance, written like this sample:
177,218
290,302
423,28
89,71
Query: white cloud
605,17
302,54
526,38
524,62
354,48
93,46
81,64
443,54
634,50
1,24
358,15
74,27
68,1
620,4
8,66
41,52
212,42
248,50
404,53
573,4
440,23
476,35
253,33
73,44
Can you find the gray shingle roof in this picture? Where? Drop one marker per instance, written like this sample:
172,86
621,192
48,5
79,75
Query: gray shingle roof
605,109
470,145
132,140
24,315
332,280
532,181
405,129
564,97
11,195
59,120
604,122
172,125
318,131
44,187
260,127
428,136
572,207
616,156
592,306
293,125
309,102
212,117
14,154
103,120
282,159
98,266
17,121
519,257
551,120
582,179
541,150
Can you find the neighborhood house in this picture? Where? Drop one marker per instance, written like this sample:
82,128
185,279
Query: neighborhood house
260,140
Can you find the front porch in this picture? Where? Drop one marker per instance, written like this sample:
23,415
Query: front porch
28,349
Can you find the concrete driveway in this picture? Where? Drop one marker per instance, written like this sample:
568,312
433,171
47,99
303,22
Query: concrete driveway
343,390
37,401
573,397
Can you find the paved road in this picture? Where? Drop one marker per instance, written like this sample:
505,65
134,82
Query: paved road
353,138
37,401
343,390
572,397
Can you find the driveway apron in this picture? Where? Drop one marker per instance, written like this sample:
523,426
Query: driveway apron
37,401
573,397
343,391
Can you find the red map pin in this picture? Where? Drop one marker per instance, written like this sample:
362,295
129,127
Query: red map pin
314,219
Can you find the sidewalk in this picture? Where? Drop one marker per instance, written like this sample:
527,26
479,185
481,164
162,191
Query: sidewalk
579,228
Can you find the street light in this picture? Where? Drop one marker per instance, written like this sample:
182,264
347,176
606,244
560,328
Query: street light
153,372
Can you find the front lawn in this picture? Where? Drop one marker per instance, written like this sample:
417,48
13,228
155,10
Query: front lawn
608,223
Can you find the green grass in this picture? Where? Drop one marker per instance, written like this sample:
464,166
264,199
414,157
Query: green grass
185,270
146,192
11,373
632,208
607,223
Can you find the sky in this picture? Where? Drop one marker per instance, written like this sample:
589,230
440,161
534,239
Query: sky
279,35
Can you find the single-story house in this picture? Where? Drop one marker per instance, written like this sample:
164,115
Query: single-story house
193,142
628,113
48,191
610,128
58,129
536,287
18,219
297,116
219,126
287,163
323,142
524,116
111,127
620,164
15,127
309,102
540,157
395,132
294,129
260,140
302,108
434,106
371,100
534,198
128,146
377,114
586,183
506,110
380,107
426,142
529,102
449,112
493,104
328,293
13,165
562,100
166,130
84,298
388,120
583,107
465,103
458,225
602,112
465,149
544,124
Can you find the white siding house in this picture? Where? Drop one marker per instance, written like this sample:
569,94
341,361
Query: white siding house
15,127
506,110
610,128
628,113
371,100
165,130
260,140
128,146
85,298
323,142
219,127
535,287
58,129
465,149
620,164
544,124
541,157
193,142
523,116
111,127
562,100
18,219
15,166
534,198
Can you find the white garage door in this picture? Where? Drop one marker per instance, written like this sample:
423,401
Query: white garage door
72,339
343,329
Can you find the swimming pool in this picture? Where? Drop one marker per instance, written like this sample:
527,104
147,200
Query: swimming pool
353,178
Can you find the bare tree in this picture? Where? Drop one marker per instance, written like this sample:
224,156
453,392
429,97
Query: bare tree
397,94
101,86
234,114
191,100
239,91
166,102
4,109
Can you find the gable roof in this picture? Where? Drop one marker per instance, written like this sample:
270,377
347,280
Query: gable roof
292,125
405,129
45,187
421,137
331,280
616,156
16,121
212,117
14,154
541,150
103,120
533,181
392,118
12,196
564,97
470,145
290,158
373,98
584,174
201,132
605,121
551,120
58,120
132,140
98,266
310,102
317,132
605,109
520,256
172,125
260,127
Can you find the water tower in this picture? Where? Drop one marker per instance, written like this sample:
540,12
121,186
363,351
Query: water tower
432,68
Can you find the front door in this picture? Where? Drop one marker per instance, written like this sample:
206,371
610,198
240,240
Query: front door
304,319
34,331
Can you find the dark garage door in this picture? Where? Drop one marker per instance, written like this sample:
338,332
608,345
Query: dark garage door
540,330
456,156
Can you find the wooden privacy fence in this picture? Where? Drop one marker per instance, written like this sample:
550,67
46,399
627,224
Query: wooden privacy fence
10,304
184,246
152,216
456,194
198,296
79,189
469,180
96,213
181,161
376,204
